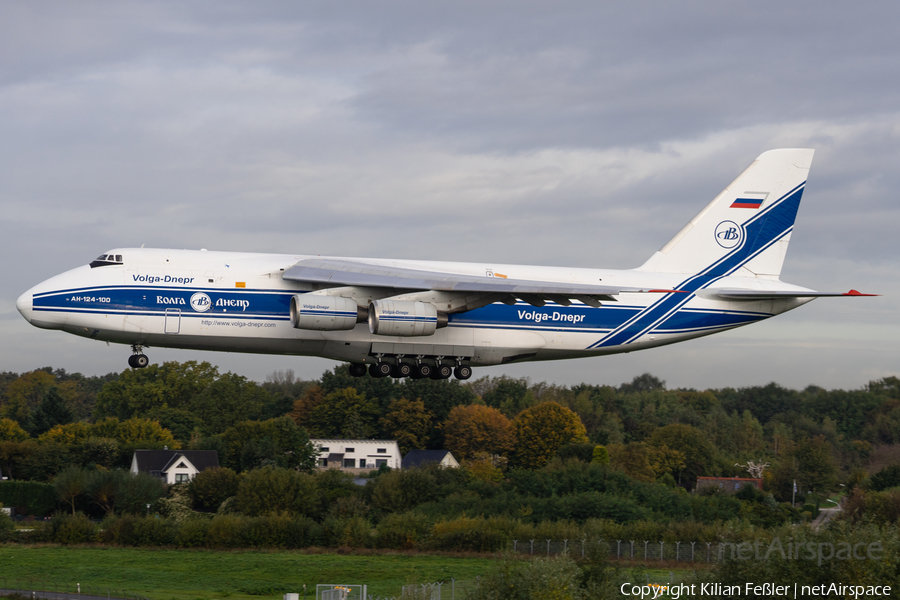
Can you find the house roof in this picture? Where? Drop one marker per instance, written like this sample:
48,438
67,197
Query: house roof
420,458
161,460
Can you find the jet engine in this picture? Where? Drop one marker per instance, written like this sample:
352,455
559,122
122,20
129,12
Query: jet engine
324,313
407,319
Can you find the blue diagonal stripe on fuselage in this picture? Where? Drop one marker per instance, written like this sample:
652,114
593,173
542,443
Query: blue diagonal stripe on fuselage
759,233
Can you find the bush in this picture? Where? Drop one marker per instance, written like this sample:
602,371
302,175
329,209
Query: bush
71,529
212,487
131,530
352,532
402,531
224,532
192,533
557,578
477,535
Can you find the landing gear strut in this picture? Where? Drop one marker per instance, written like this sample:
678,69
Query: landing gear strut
137,360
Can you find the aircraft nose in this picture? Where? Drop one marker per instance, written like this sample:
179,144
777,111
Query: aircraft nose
24,304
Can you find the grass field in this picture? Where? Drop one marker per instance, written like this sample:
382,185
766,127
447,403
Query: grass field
238,575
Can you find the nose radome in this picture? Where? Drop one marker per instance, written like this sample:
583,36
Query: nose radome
24,305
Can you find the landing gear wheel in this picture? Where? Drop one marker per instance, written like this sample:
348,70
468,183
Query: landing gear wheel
380,370
401,370
357,369
131,362
423,371
462,372
140,361
442,372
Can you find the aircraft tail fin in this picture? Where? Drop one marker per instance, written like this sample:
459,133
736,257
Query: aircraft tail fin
747,227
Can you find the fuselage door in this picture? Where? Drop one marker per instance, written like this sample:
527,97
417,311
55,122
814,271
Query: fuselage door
173,320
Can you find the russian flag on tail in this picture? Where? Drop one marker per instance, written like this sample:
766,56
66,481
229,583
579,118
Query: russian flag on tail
747,203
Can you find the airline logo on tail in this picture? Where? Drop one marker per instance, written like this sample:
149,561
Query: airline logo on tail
728,234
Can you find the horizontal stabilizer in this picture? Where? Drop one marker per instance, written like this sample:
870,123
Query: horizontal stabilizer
737,294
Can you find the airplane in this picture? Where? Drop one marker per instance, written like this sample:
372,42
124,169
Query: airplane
415,318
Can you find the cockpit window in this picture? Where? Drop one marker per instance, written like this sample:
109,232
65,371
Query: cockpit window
105,260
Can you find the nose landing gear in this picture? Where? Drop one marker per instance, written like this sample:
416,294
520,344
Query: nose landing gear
137,360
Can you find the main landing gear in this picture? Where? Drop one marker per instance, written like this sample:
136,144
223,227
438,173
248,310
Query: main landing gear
418,370
137,360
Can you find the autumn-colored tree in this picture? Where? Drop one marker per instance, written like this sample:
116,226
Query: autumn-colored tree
471,429
541,430
11,432
667,460
304,405
25,393
408,422
71,433
633,459
486,467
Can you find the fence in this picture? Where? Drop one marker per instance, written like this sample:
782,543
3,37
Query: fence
51,590
438,590
644,550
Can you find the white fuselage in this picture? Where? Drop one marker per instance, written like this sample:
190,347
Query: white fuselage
239,302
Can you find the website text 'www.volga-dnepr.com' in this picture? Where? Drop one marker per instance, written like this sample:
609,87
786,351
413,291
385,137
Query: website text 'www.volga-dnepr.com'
769,590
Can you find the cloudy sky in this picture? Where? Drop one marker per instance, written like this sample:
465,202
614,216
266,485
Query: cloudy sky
576,133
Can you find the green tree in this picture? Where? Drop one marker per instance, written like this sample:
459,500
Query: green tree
70,484
816,464
273,490
888,477
600,455
210,488
138,392
541,430
505,391
137,491
104,488
691,442
408,422
53,410
345,414
275,441
24,394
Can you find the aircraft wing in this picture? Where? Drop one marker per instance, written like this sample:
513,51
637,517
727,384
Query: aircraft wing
738,294
353,273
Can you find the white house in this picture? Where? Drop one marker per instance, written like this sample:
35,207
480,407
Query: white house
357,456
422,458
173,466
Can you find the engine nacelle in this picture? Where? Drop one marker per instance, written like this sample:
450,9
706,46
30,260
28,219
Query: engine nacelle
407,319
324,313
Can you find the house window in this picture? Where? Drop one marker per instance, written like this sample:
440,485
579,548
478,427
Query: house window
323,462
380,461
182,477
323,449
350,463
382,451
348,450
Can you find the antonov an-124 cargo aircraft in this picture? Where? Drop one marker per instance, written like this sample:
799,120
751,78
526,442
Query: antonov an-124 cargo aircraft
416,318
